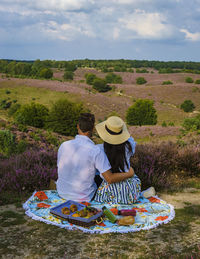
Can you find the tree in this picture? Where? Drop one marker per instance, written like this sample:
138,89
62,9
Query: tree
140,80
192,124
69,66
46,73
100,85
33,114
188,106
90,77
142,112
68,75
112,78
63,117
189,80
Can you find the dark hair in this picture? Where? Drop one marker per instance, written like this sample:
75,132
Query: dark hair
117,155
86,122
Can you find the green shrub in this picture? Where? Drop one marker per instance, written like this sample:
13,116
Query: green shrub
63,117
5,104
51,139
112,78
168,82
100,85
90,78
142,70
142,112
21,146
14,107
164,124
140,80
7,142
69,66
192,124
33,114
189,80
188,106
8,92
130,70
171,123
197,81
68,75
46,73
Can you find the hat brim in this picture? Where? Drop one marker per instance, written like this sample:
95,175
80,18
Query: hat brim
109,138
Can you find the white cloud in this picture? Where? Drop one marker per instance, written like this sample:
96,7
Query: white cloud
64,31
191,36
146,25
59,5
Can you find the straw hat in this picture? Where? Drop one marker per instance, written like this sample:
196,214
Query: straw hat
113,130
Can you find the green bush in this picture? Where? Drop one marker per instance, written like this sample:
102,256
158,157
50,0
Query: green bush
68,75
14,107
142,70
140,80
112,78
7,142
100,85
142,112
189,80
46,73
63,117
90,77
168,82
197,81
21,146
171,123
188,106
33,114
5,104
69,66
192,124
164,124
8,92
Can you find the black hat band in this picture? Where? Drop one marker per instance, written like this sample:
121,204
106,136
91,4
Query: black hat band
112,132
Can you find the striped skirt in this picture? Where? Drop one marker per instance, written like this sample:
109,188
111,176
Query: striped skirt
125,192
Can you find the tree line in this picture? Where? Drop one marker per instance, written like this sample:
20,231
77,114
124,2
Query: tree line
33,68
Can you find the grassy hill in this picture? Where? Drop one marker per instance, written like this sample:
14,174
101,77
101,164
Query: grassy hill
167,98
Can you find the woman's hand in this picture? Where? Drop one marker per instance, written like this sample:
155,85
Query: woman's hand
131,172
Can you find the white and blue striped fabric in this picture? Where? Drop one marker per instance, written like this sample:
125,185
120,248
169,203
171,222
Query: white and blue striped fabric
125,192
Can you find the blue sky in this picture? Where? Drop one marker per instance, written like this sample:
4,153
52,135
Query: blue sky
100,29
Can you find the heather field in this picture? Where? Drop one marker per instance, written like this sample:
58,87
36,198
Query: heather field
167,98
165,157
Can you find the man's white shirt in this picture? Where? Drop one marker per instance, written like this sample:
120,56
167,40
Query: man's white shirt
78,160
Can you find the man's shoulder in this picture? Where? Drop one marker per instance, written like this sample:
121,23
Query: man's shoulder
66,143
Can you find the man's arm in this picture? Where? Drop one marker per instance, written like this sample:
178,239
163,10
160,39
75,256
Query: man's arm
117,177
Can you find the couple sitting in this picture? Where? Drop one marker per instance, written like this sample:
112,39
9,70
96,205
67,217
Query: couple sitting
99,172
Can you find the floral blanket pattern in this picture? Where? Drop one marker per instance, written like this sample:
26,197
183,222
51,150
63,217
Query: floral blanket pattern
150,213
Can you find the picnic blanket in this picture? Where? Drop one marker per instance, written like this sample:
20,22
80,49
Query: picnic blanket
151,212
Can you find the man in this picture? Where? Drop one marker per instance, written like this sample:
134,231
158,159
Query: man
78,161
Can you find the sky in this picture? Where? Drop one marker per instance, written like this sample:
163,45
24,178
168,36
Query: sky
100,29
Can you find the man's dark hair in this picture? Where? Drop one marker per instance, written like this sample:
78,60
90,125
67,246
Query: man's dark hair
86,122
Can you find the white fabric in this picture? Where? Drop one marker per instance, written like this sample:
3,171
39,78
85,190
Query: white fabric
77,162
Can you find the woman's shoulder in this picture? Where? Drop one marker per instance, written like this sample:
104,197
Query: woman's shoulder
132,141
133,144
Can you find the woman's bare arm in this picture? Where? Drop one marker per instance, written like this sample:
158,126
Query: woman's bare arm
117,177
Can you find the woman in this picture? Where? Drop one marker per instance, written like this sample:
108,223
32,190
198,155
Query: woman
119,146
